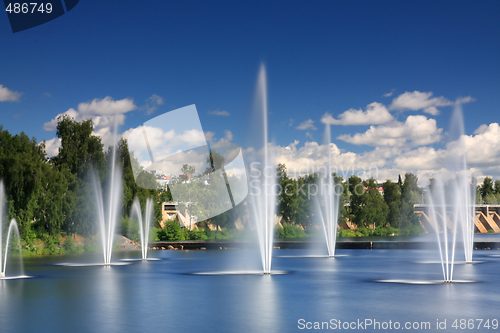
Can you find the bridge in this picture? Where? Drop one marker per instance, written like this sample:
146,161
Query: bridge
486,218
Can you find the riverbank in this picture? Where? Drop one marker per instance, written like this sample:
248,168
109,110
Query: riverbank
367,244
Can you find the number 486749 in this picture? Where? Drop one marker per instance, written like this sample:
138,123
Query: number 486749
25,8
475,324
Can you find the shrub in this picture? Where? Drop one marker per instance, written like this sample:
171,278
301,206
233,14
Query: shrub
69,245
290,231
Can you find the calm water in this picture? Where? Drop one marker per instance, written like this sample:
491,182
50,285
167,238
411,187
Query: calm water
163,296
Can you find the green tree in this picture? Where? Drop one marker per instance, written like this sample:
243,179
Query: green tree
356,191
215,161
486,188
143,187
81,154
497,187
21,164
375,209
392,197
293,203
409,221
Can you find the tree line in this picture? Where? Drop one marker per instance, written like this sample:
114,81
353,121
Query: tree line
361,203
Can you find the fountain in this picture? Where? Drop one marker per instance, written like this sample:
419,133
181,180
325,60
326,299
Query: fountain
107,218
12,228
328,200
464,195
264,202
263,194
144,224
451,205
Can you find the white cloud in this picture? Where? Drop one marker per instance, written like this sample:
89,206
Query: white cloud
7,95
309,135
228,135
483,148
464,100
209,136
307,125
422,158
419,100
376,113
103,113
389,94
52,147
107,106
415,131
219,113
152,104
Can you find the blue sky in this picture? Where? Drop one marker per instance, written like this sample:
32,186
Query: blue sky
321,57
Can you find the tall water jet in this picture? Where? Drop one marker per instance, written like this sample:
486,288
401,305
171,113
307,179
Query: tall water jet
328,200
464,192
13,228
451,202
144,223
264,198
108,218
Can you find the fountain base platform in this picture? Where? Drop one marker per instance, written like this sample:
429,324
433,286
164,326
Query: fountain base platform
315,256
19,277
403,281
455,263
68,264
275,272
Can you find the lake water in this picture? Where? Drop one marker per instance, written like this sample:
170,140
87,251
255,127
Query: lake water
163,296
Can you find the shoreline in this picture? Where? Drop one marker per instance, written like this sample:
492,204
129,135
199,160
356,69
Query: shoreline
227,244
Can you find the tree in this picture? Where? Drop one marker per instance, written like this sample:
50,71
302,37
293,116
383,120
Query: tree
142,187
392,197
409,221
367,207
21,161
215,161
80,150
293,203
486,188
81,154
356,190
497,187
188,169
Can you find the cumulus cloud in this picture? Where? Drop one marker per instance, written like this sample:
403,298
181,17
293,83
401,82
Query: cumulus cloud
307,125
389,94
415,131
417,100
384,162
152,104
107,106
7,95
103,112
228,135
376,113
483,148
52,147
464,100
219,113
